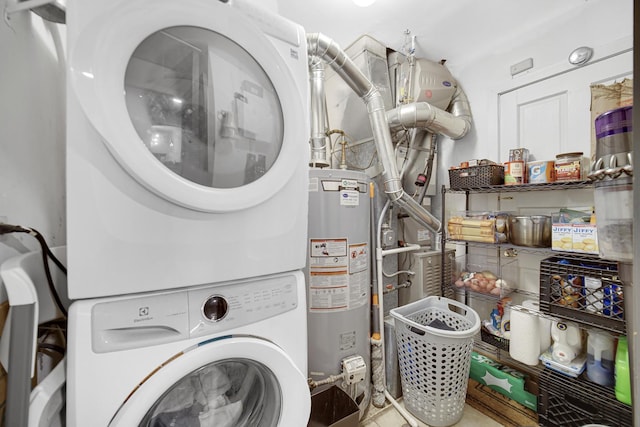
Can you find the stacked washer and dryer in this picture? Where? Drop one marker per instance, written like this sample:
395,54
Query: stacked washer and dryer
186,185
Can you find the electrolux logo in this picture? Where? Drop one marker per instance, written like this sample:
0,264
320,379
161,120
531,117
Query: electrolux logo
143,314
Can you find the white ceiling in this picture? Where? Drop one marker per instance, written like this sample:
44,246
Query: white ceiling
456,30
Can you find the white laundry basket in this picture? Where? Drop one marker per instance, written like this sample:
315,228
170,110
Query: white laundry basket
435,339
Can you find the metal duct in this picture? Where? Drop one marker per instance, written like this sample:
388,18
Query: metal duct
323,47
455,125
318,114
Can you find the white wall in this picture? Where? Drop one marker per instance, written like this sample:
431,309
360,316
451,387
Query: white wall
32,130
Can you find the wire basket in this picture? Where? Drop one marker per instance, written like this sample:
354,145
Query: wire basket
435,338
476,176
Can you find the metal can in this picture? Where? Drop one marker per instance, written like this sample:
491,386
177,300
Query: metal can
514,173
517,154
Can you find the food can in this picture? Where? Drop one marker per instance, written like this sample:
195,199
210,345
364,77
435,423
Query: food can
514,173
541,171
571,167
517,154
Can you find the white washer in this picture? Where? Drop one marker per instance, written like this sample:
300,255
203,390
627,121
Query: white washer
187,144
224,355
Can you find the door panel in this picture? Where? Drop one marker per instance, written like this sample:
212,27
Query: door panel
552,116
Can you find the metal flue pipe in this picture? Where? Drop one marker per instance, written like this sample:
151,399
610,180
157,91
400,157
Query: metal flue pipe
318,114
323,47
454,124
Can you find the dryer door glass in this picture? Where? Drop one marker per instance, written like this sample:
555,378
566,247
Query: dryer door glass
227,393
204,107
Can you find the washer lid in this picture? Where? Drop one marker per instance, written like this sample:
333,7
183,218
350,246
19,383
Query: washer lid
192,101
233,381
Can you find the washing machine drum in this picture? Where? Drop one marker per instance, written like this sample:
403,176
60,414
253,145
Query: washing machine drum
263,389
191,101
224,394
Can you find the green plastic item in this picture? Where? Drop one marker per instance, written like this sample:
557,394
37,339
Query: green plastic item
622,375
503,379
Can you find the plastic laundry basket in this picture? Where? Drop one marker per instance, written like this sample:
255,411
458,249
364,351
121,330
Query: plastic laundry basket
435,339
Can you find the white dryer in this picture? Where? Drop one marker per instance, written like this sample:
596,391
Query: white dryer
224,355
187,144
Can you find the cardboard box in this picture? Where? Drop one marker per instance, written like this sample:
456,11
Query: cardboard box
580,238
503,379
562,237
585,238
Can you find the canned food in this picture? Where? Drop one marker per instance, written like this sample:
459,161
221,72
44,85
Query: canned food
514,173
517,154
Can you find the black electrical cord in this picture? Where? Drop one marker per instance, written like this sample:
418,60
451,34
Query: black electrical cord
46,254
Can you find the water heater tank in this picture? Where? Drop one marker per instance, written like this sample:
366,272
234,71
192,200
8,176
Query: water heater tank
338,275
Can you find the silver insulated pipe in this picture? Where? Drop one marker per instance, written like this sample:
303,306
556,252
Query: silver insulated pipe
455,124
323,47
318,114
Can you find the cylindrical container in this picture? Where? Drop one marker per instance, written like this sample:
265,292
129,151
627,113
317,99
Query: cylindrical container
614,137
614,211
524,344
571,167
544,324
622,372
600,357
613,175
515,173
338,274
542,171
530,230
516,154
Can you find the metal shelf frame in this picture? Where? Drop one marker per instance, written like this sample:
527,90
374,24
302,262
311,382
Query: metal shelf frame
564,185
498,189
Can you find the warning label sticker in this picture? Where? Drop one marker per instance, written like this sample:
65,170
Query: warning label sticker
338,275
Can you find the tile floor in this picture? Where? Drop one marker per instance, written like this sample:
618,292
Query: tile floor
390,417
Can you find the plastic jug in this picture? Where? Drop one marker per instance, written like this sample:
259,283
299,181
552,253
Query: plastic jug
567,341
600,357
622,375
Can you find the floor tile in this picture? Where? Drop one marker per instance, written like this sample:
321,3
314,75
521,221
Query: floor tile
390,417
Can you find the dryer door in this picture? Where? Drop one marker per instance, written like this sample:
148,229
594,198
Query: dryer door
234,382
192,100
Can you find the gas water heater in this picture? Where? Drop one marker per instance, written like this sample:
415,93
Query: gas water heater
338,276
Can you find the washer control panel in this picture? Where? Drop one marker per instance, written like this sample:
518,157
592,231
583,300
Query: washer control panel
216,309
159,317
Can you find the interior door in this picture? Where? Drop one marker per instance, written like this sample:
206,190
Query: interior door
552,116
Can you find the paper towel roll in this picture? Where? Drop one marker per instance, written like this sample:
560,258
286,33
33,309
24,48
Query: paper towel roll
545,324
524,345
